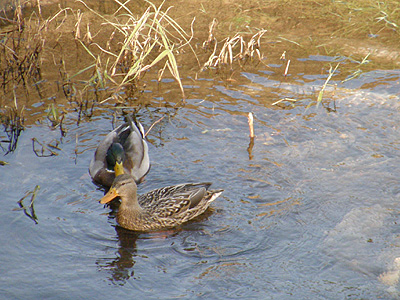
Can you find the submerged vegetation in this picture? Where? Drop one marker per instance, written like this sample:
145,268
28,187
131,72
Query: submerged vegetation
77,58
29,210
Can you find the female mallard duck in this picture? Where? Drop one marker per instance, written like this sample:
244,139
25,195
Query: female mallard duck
123,151
161,208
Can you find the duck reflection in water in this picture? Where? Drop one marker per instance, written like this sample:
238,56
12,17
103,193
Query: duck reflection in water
121,267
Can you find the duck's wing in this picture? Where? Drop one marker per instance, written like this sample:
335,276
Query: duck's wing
174,200
137,161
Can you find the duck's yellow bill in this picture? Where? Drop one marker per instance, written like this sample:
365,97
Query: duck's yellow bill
119,169
111,194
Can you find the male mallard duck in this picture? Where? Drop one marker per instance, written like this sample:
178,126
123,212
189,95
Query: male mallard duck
123,150
161,208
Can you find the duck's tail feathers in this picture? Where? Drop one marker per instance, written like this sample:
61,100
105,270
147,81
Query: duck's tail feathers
135,126
215,195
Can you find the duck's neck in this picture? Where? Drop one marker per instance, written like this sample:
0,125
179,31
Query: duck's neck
130,204
129,212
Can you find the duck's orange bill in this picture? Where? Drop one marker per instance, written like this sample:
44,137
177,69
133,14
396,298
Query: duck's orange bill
111,194
118,168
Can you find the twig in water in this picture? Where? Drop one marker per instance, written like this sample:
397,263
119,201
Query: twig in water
42,152
152,125
287,68
321,92
31,214
250,148
250,120
76,147
284,99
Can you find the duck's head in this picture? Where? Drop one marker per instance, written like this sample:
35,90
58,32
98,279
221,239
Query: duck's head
115,158
124,186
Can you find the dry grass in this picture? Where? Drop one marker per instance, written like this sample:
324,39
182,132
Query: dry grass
144,42
20,66
234,49
20,51
375,17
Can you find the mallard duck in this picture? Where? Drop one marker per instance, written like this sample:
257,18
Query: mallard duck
161,208
123,150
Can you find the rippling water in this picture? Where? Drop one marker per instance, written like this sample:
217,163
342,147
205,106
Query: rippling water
309,211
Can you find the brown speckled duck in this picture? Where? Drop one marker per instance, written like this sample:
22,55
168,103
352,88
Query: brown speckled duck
123,151
161,208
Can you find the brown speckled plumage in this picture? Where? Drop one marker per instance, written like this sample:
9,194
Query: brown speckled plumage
161,208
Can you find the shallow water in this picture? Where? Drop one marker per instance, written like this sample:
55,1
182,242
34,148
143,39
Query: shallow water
310,211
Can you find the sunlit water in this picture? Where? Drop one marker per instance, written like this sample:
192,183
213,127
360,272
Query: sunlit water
309,212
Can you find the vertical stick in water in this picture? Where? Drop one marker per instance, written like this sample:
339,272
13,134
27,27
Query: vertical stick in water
250,119
251,128
287,68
